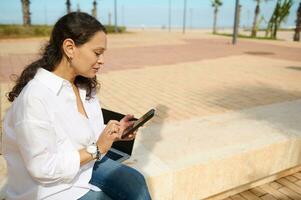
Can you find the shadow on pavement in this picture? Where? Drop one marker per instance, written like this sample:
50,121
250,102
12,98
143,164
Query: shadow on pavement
282,117
294,68
259,53
151,134
274,107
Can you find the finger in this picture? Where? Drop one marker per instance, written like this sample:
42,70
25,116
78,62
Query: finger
114,129
118,135
128,117
117,129
130,137
135,132
113,122
131,123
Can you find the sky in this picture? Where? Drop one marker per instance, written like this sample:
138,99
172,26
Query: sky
145,13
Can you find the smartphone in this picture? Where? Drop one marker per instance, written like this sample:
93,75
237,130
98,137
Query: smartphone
140,122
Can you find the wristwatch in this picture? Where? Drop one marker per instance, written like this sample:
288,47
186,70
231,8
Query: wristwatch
93,150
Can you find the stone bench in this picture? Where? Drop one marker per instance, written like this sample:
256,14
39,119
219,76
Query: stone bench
202,157
4,105
3,177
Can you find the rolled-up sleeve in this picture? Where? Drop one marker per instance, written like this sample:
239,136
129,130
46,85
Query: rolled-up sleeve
37,142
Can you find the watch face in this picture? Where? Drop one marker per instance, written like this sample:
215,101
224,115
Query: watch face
92,149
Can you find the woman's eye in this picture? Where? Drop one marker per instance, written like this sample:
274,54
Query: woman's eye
97,54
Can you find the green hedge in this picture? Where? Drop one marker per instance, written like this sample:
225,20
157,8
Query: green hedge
19,31
245,36
111,29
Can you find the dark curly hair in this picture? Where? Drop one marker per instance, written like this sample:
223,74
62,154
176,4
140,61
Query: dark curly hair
78,26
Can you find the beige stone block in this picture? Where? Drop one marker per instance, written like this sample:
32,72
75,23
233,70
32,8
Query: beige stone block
205,156
3,177
4,105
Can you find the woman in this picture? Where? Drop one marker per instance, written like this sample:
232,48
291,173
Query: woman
54,138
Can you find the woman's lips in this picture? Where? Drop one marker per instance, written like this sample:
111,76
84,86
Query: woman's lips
97,68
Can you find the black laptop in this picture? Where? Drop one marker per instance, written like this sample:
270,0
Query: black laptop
120,151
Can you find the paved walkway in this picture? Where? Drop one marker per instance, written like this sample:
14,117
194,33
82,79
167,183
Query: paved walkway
288,188
184,77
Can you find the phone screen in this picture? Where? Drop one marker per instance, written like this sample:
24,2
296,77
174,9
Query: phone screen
142,120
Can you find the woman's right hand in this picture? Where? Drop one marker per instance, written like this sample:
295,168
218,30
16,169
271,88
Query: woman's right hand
108,136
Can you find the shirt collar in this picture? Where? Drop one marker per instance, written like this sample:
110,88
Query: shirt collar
55,83
50,80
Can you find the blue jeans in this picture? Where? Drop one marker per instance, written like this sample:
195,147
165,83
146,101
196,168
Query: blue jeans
117,181
95,195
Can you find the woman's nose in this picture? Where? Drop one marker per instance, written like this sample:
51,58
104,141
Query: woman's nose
100,59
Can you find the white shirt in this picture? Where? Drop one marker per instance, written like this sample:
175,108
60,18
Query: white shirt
43,132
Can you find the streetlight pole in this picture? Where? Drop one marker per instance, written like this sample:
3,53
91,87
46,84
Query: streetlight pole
169,16
115,15
235,28
191,17
122,15
184,16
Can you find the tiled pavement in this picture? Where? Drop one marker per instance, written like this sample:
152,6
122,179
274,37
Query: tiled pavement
287,188
201,88
194,76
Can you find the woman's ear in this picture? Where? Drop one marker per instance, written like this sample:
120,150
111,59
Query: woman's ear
68,47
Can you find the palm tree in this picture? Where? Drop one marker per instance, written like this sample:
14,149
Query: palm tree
94,10
215,4
68,4
280,13
26,12
256,15
298,24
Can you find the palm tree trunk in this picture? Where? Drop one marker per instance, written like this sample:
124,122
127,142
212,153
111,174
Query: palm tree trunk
256,14
215,19
68,4
26,12
298,25
276,26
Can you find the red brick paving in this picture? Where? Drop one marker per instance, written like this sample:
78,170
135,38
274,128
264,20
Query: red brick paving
193,50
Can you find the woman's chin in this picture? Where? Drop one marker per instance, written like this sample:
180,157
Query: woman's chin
90,75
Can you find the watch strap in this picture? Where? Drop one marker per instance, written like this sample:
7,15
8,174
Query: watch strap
98,154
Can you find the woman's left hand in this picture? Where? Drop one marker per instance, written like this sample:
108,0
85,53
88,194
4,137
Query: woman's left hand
126,123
